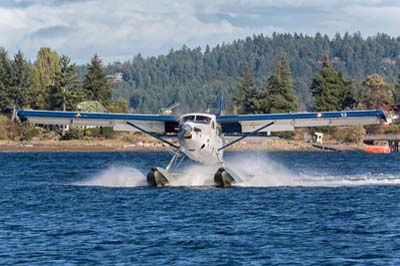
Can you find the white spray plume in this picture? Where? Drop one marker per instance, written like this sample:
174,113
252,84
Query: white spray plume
260,171
255,170
116,176
195,176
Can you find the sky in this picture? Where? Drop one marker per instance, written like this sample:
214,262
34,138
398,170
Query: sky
120,29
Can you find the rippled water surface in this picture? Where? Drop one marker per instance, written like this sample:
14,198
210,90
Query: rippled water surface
291,208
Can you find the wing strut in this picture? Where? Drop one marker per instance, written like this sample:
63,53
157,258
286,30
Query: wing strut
247,135
153,135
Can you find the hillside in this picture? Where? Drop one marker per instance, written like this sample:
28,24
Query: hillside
196,77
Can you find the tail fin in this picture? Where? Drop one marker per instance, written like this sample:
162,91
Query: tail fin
221,105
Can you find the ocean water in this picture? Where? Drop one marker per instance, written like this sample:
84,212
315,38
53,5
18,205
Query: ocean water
291,208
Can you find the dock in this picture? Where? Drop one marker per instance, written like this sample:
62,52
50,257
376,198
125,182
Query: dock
392,140
335,147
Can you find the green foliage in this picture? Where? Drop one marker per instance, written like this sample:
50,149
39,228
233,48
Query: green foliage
374,92
396,91
73,133
13,131
278,96
204,75
350,134
196,78
67,92
20,91
119,106
5,79
31,132
247,94
107,132
92,132
101,132
88,133
346,98
47,68
46,75
330,90
15,81
96,84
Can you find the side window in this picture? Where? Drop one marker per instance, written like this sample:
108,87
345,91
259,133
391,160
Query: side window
212,125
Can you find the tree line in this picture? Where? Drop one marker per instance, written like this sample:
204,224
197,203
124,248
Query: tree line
260,74
205,74
52,82
331,91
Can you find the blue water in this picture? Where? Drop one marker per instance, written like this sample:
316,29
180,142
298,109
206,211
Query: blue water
91,209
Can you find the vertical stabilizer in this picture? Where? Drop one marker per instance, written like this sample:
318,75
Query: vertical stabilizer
221,106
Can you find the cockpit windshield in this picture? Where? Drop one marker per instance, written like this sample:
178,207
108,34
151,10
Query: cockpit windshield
188,118
200,119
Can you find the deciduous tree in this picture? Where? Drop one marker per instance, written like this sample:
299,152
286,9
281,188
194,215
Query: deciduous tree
119,106
46,74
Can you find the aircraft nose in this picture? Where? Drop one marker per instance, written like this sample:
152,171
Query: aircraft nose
187,128
187,131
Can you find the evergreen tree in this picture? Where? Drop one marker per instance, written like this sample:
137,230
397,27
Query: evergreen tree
96,83
396,91
68,89
5,79
21,93
247,93
330,90
263,104
361,97
375,92
346,95
279,90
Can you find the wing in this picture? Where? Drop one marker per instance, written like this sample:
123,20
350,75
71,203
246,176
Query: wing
152,123
290,121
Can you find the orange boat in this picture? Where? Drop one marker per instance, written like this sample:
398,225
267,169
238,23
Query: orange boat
377,149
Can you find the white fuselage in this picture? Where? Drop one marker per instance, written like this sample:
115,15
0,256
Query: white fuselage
200,138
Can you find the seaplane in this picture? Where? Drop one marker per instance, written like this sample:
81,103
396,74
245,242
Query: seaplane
201,136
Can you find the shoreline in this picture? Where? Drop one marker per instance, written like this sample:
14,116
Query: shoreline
154,146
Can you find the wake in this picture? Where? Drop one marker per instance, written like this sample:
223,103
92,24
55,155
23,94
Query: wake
254,171
261,171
